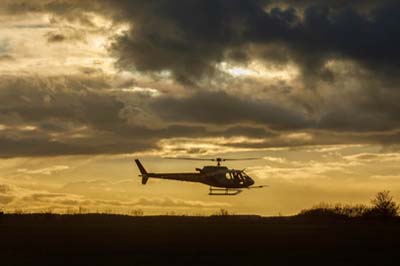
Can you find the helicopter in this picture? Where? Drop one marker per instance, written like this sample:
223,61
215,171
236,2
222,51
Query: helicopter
222,181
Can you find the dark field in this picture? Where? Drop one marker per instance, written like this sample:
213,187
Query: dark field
168,240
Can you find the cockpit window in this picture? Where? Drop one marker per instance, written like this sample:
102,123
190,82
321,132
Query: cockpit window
229,176
238,177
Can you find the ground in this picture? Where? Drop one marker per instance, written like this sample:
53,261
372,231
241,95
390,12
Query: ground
49,239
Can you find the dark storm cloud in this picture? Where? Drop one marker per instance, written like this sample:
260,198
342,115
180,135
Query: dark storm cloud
220,108
188,38
61,115
71,115
332,3
33,98
251,131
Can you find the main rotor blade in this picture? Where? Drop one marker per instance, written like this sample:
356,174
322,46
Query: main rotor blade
188,158
218,159
242,159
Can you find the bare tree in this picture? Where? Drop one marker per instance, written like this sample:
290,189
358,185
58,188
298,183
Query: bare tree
384,205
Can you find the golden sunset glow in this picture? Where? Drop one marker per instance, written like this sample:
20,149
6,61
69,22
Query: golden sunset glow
88,86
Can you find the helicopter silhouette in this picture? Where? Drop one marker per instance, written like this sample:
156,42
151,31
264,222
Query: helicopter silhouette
222,181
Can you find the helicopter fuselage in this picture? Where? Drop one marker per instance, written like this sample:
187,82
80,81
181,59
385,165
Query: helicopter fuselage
214,176
222,181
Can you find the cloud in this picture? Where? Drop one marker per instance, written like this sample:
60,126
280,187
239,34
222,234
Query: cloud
18,197
5,188
168,202
169,38
96,187
5,199
44,171
165,36
66,33
221,108
300,170
80,114
55,37
374,157
6,58
4,46
62,115
335,86
6,194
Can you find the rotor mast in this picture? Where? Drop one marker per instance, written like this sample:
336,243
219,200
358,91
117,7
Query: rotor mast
219,160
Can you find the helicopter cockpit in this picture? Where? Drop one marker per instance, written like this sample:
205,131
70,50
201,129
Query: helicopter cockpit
239,178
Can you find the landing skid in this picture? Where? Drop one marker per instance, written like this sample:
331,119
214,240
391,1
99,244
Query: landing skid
224,191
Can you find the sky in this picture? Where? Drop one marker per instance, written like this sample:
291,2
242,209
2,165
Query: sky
310,87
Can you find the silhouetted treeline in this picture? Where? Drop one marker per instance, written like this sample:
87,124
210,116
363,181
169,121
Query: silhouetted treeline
219,239
382,206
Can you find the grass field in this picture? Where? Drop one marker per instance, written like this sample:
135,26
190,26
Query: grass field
95,239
